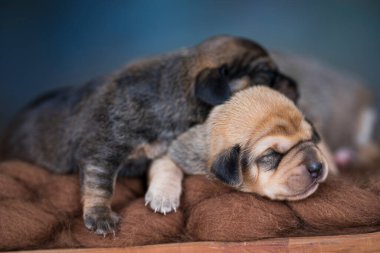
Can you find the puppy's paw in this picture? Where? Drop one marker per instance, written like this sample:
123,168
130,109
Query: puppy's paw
101,220
163,199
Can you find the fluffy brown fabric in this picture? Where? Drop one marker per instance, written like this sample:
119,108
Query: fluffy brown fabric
239,217
42,210
340,205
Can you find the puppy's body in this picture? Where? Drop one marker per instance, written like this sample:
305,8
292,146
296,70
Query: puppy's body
258,141
121,122
101,122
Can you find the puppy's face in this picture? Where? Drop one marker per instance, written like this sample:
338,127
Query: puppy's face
225,65
261,143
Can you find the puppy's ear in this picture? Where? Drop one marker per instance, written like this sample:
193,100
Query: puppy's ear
226,166
286,86
212,87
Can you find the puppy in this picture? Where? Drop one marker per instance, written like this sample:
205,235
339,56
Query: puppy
257,142
117,124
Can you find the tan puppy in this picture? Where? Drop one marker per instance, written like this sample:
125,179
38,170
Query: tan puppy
257,142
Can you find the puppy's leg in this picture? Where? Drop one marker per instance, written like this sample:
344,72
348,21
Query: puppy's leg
97,189
165,185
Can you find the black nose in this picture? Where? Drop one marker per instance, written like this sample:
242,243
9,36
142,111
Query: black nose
315,169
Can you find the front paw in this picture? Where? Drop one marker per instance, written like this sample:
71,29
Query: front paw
163,199
101,220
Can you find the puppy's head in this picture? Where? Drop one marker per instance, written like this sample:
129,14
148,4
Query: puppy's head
261,143
226,64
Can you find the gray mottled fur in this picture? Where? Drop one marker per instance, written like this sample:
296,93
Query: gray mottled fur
94,128
190,150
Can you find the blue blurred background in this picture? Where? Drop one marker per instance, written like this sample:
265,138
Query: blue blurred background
46,43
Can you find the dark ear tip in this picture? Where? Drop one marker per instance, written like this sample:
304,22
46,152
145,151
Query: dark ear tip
236,149
226,166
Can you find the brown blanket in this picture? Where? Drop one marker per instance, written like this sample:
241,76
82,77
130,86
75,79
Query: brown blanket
42,210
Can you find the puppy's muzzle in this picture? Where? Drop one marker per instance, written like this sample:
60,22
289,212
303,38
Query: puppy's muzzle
314,162
315,169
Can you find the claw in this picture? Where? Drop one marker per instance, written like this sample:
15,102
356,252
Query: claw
175,209
146,202
155,210
162,206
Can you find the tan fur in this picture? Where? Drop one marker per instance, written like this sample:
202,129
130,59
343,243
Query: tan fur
94,197
259,119
248,117
149,150
91,200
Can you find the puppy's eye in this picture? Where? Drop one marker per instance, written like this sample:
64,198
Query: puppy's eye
270,152
264,77
270,159
263,67
223,70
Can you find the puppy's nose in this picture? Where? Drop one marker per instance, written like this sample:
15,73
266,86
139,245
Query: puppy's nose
315,169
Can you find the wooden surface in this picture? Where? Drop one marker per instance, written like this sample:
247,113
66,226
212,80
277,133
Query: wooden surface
343,243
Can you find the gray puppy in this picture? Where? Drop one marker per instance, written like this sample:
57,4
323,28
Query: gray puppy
118,124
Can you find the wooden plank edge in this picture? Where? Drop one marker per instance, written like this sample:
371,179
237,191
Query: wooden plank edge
369,242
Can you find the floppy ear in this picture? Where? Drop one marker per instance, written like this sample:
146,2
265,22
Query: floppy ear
211,87
286,86
226,166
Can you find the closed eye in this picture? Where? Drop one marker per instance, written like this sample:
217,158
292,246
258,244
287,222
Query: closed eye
270,160
223,71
